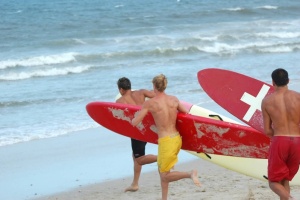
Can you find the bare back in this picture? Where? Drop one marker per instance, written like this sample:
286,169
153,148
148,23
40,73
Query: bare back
281,111
136,97
164,110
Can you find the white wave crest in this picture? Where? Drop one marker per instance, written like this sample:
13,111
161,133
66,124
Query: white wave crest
279,34
39,60
268,7
234,9
46,72
41,133
220,48
277,50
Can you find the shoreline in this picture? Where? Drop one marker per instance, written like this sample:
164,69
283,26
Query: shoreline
49,166
97,164
217,183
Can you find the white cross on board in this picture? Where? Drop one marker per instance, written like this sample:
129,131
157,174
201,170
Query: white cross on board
254,102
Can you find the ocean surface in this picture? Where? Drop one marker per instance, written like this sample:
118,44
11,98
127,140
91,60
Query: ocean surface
57,56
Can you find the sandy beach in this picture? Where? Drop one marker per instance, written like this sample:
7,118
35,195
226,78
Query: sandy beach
97,164
58,56
217,183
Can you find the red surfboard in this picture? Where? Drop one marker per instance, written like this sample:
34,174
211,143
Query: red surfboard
199,134
239,94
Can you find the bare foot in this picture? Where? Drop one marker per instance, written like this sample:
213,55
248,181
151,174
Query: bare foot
194,177
132,189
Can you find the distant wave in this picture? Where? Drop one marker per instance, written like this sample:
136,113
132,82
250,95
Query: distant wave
17,103
42,133
280,49
284,35
234,9
268,7
39,60
213,45
44,72
240,9
79,41
225,48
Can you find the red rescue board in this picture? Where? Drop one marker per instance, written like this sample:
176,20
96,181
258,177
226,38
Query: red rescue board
199,134
239,94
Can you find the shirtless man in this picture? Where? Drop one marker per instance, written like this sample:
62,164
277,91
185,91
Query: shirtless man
164,110
136,97
281,116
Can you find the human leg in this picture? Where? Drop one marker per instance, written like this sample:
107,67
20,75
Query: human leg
167,177
278,170
139,159
177,175
137,168
164,187
146,159
168,149
286,185
280,190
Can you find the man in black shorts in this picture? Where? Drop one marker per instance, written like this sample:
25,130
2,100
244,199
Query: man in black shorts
136,97
138,148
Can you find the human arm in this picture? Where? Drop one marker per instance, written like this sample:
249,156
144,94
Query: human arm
182,108
267,122
148,93
140,115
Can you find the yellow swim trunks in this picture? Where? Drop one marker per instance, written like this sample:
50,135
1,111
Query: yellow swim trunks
168,149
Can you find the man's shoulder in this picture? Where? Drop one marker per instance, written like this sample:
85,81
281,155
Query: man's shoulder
121,100
268,99
138,93
173,98
295,93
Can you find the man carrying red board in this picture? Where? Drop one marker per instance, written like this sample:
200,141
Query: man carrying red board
164,110
281,116
136,97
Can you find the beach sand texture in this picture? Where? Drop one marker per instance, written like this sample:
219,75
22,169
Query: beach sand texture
96,164
217,183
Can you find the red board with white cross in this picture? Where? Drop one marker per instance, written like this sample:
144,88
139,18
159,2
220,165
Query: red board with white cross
239,94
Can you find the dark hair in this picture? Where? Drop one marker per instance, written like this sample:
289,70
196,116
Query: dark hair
280,77
124,83
160,82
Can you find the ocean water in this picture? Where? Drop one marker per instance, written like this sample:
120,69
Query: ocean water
57,56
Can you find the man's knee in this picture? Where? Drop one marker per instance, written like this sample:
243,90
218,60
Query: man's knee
163,176
139,160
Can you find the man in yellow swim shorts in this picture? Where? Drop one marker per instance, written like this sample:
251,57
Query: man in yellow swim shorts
164,110
168,149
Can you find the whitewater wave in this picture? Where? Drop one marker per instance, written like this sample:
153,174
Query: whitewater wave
16,137
20,103
280,49
268,7
234,9
39,60
283,35
44,72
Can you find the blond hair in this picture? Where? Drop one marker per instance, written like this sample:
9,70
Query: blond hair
160,82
